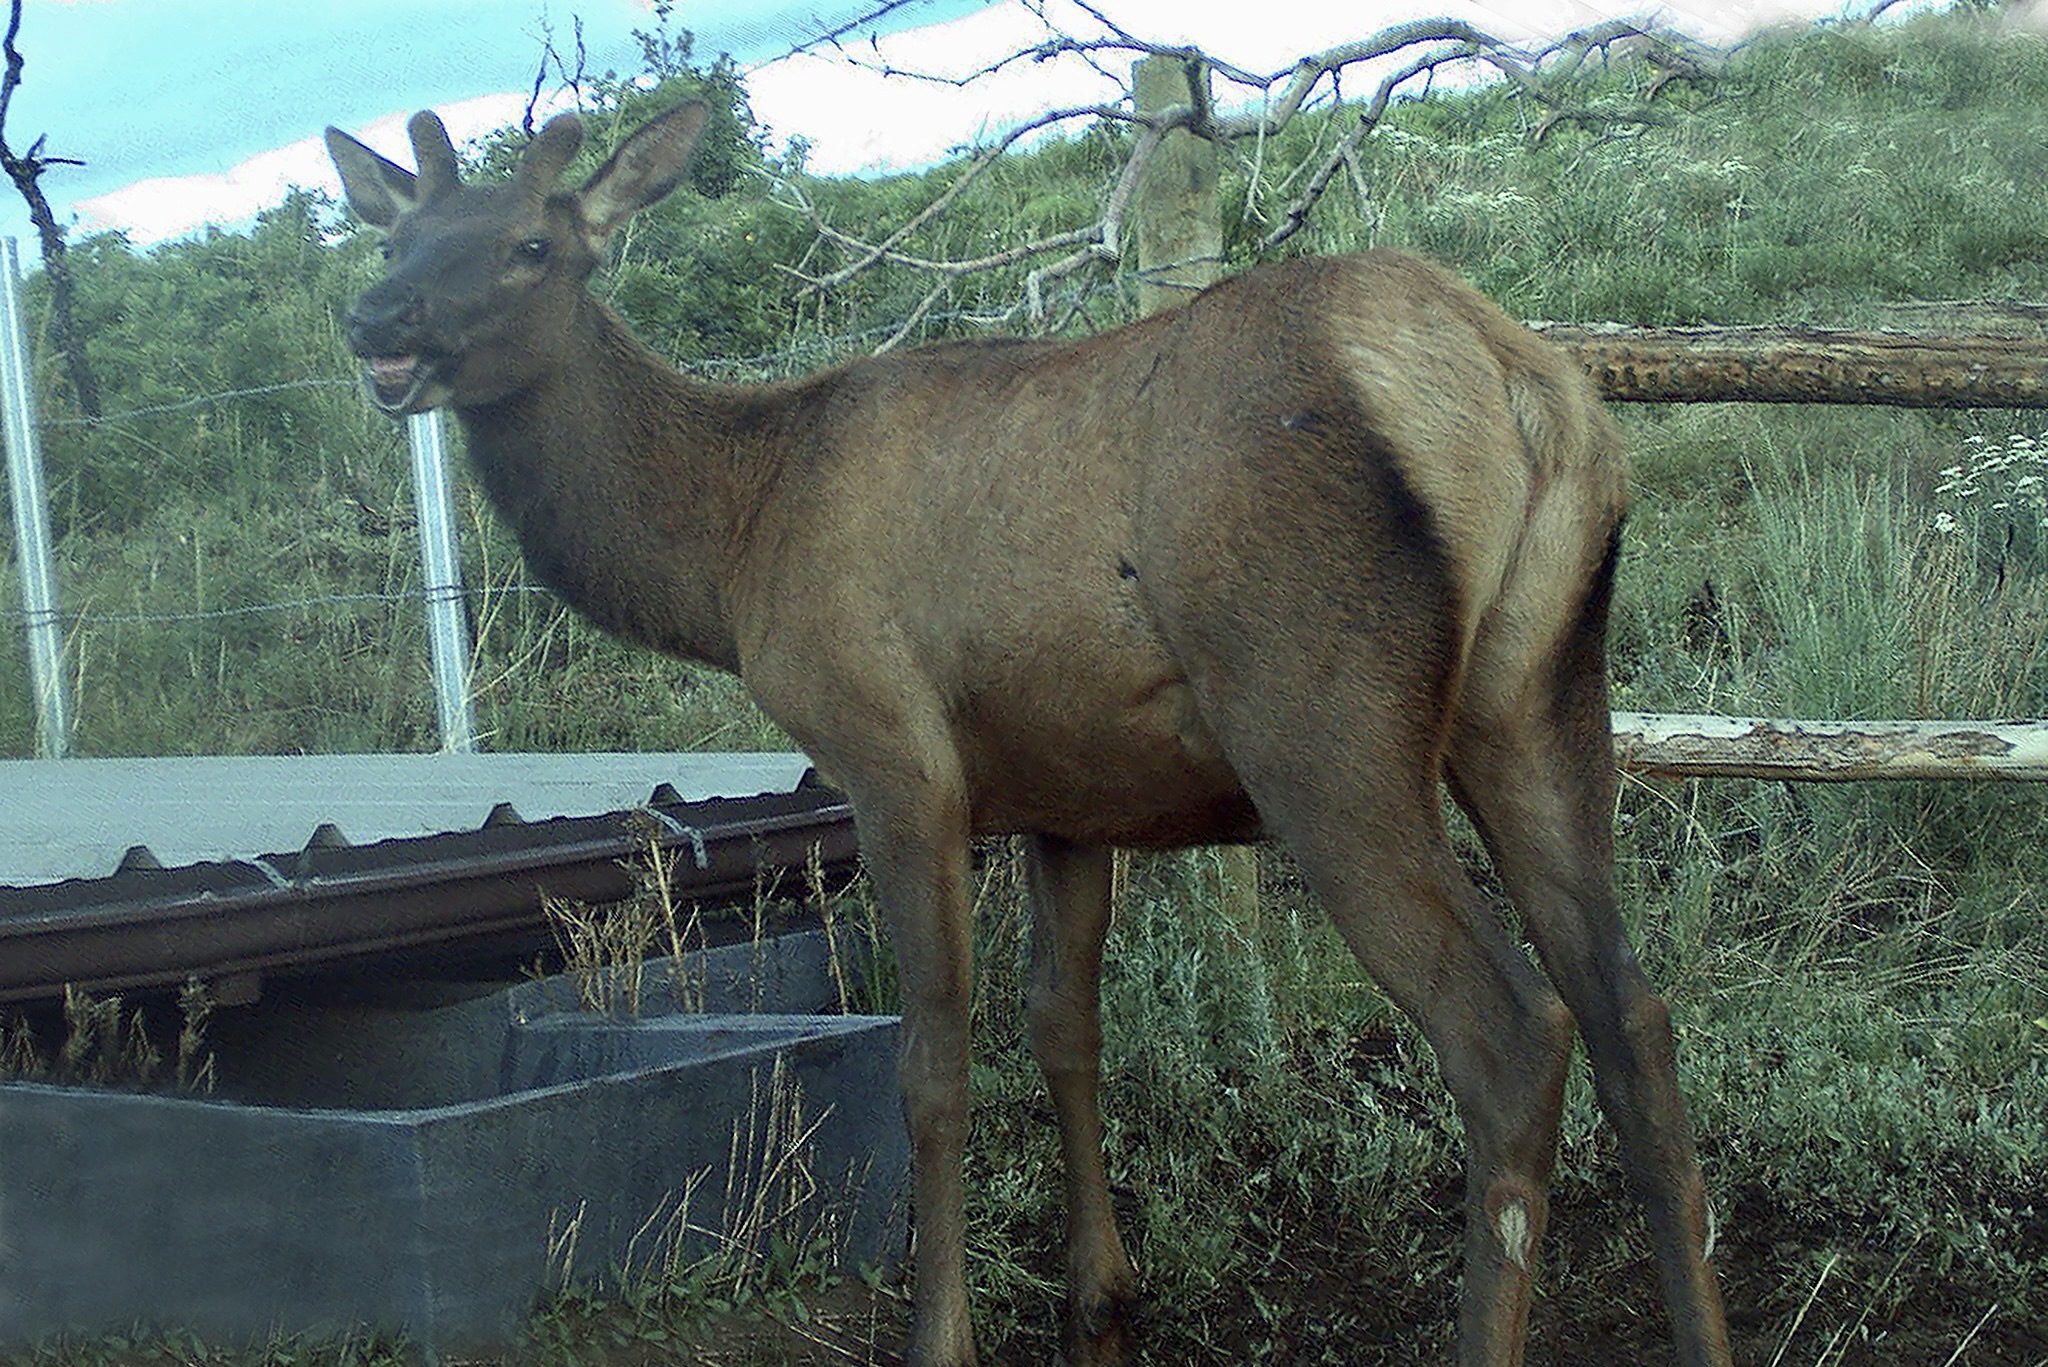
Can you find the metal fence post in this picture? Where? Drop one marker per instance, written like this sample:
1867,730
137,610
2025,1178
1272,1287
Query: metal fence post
441,566
31,517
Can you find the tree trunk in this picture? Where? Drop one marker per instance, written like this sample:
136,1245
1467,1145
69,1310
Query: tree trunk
1807,365
26,173
64,334
1829,751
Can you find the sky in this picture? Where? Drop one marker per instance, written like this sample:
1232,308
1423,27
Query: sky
189,112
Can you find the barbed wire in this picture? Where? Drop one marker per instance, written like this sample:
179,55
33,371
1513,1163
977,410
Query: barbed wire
800,354
83,616
332,382
845,27
766,363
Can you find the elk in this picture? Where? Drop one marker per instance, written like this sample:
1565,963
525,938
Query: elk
1278,563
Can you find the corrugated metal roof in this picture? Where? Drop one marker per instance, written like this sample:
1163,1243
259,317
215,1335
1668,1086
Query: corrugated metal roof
244,867
79,818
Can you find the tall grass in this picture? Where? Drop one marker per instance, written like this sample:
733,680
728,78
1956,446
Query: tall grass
1858,974
1826,179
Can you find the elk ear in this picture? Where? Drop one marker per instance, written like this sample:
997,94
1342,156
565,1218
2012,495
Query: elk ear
549,154
377,189
647,166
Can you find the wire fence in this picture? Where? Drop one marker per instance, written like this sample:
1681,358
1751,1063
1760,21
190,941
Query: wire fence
800,356
764,365
476,597
298,611
201,401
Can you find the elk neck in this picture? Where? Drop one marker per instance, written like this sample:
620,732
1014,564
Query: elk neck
624,483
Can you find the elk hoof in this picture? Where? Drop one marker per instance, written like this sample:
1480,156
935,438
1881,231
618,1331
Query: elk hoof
1100,1330
920,1358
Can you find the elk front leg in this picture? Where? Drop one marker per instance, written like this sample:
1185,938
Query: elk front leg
854,700
915,844
1070,916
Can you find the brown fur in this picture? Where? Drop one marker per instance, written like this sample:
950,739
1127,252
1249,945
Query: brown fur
1278,561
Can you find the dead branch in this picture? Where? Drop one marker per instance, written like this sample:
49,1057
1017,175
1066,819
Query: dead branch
566,77
924,306
1875,11
886,250
26,171
1268,102
1297,213
1037,8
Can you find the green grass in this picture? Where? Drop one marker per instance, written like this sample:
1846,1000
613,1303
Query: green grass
1858,974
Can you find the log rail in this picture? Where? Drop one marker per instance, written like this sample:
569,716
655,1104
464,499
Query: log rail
1831,366
1674,746
1807,365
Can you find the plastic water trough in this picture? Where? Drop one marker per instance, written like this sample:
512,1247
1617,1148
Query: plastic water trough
398,1145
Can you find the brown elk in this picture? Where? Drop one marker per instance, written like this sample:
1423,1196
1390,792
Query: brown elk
1277,562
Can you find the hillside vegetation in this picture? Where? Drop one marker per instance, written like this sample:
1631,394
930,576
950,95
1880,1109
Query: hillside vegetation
1858,974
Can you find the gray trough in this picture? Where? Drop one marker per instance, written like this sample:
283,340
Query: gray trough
431,1168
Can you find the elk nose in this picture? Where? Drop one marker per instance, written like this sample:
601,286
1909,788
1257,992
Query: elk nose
384,317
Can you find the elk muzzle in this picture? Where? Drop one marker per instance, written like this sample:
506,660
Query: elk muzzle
385,330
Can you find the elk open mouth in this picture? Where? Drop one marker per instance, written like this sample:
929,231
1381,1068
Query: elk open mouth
395,382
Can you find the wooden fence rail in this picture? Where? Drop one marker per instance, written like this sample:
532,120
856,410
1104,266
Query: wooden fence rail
1807,365
1811,365
1674,746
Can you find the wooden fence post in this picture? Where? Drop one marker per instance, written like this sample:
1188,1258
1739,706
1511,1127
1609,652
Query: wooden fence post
1177,220
1176,217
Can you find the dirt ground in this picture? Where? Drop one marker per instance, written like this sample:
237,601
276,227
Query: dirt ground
1599,1307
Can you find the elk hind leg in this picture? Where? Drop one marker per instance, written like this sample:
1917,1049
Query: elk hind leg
1532,761
1323,653
1070,896
1502,1040
1370,840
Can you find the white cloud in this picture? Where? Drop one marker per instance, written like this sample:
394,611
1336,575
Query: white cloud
858,120
155,210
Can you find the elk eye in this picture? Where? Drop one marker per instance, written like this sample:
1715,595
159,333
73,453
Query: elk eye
534,249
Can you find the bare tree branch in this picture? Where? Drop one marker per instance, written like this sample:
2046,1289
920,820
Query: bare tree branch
886,250
971,266
1875,12
566,77
1120,82
1548,77
26,172
1296,215
939,291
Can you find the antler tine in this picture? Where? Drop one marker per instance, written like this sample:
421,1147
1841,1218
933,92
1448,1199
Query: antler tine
435,154
549,154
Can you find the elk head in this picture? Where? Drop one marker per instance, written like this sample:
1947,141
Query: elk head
481,281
